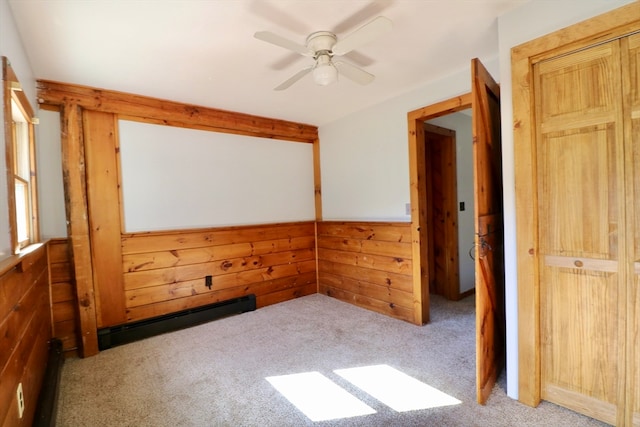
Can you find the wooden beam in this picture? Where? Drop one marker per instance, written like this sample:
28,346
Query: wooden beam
153,110
103,198
418,197
73,171
443,108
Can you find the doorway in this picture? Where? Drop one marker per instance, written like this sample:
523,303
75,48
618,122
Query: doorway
484,100
419,180
449,176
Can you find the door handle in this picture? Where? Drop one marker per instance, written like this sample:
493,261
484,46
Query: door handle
484,248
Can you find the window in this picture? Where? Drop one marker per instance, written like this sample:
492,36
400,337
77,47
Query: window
20,141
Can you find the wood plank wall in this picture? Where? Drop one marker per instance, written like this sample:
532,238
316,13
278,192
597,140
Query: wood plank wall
88,134
165,271
25,330
63,295
367,264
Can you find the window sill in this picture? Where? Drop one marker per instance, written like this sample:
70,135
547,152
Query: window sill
24,260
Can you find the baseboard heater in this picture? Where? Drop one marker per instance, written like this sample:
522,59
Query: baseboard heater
47,405
123,334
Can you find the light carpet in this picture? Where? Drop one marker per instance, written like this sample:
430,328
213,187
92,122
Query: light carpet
215,374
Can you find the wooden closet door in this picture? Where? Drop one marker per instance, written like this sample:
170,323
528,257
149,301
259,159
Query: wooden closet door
632,135
581,208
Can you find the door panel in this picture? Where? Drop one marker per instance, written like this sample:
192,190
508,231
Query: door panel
440,149
487,156
581,207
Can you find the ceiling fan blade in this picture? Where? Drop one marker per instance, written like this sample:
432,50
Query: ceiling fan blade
291,80
277,40
363,35
354,73
279,16
363,15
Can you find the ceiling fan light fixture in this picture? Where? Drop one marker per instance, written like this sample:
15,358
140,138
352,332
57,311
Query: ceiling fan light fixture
325,74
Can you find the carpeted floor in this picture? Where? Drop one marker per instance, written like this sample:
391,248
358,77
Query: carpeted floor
215,374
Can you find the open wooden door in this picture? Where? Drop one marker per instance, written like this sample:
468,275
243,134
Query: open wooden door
489,259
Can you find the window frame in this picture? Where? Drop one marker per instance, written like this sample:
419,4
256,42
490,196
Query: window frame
13,94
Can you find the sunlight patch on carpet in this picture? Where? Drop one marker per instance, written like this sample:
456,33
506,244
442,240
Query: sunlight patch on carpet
318,397
396,389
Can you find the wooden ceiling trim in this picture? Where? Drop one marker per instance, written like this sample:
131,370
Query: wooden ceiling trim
153,110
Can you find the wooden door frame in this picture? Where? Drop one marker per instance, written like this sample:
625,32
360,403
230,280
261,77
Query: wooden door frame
607,26
418,197
451,290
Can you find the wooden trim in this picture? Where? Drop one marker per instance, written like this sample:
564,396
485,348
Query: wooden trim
317,179
607,26
466,293
153,110
417,194
16,261
8,77
632,268
73,171
442,108
34,232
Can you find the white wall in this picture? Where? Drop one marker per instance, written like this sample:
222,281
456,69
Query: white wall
461,123
365,157
176,178
53,221
11,47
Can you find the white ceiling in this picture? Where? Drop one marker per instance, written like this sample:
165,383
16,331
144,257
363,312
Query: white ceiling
203,52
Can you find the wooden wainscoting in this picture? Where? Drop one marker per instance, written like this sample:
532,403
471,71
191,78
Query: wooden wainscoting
63,295
367,264
166,272
25,330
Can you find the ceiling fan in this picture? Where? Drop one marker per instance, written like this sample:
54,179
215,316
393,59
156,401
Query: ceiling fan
323,46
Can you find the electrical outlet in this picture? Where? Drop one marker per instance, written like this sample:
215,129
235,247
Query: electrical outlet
20,397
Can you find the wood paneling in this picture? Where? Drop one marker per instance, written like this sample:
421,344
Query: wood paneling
152,110
63,295
25,329
165,271
367,264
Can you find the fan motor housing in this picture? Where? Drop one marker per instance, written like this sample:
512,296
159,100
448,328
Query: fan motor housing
321,42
